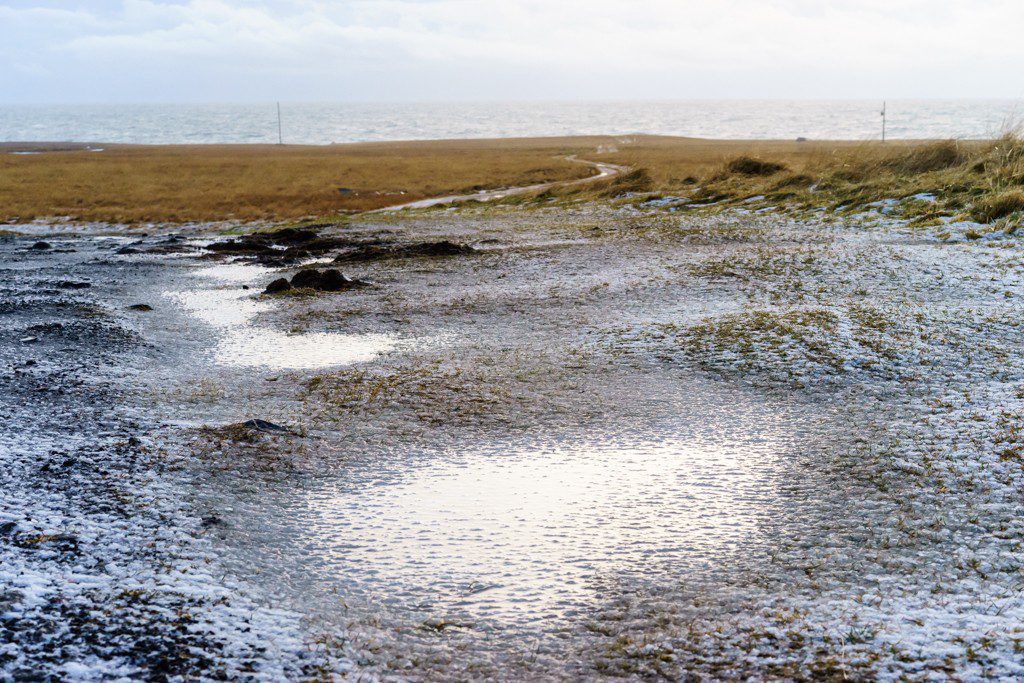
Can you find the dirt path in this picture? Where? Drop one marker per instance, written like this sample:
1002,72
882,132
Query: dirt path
604,170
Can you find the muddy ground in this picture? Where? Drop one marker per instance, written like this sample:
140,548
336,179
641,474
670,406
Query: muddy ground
591,441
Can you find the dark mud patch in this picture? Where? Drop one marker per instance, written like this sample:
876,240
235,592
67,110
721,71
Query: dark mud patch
314,280
171,244
281,247
370,253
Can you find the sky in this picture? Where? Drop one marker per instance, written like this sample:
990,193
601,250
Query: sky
119,51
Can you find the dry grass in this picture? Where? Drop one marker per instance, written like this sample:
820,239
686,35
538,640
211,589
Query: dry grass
999,205
744,165
982,180
182,183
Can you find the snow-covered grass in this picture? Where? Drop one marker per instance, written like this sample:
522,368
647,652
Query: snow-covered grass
916,570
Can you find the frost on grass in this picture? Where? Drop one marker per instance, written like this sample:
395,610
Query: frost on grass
802,347
504,391
915,567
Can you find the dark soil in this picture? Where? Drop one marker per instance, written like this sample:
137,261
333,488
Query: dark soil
329,280
365,253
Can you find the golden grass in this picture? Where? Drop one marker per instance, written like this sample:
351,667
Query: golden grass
999,205
982,180
183,183
677,162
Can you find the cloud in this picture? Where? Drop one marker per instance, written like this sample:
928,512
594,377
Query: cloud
127,50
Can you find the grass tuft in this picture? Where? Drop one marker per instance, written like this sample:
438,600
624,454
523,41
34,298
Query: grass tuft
993,207
925,158
749,166
637,180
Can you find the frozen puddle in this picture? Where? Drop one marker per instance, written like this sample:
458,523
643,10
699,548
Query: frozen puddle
532,535
231,311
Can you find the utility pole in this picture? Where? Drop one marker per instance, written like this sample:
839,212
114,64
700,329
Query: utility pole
280,136
883,120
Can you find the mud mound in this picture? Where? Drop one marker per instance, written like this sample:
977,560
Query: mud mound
282,247
329,280
378,252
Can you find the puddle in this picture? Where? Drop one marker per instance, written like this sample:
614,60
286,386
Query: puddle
528,536
534,535
279,351
232,311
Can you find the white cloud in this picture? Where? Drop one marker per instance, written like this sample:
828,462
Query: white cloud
462,49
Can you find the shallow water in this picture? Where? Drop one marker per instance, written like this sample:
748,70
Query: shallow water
533,534
220,302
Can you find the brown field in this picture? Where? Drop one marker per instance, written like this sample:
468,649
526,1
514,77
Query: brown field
216,182
184,183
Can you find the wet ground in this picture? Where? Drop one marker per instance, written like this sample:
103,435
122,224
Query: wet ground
102,565
604,442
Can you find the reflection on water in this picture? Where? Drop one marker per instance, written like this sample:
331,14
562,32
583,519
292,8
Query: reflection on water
275,350
221,308
231,310
529,535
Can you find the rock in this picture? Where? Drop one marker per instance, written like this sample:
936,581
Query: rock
41,246
242,247
70,284
266,243
281,247
245,287
279,285
145,308
292,235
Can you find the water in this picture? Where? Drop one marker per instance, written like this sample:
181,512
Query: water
231,310
532,534
326,123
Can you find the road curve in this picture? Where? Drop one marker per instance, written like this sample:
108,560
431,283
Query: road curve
604,170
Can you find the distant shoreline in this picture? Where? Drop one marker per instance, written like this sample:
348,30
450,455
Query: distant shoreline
342,123
77,145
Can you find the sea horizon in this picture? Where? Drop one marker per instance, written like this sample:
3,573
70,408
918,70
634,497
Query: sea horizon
347,122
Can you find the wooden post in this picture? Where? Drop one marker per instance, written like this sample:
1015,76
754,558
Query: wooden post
280,136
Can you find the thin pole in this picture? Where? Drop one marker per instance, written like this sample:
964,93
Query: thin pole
280,136
883,120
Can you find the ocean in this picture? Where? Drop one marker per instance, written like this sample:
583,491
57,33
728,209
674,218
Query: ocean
325,123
